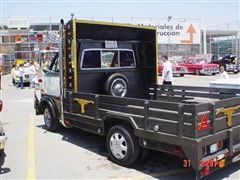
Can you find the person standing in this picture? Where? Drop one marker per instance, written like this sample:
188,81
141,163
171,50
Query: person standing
20,75
167,74
13,74
223,74
32,74
1,72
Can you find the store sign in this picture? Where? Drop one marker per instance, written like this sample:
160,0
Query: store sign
176,32
18,22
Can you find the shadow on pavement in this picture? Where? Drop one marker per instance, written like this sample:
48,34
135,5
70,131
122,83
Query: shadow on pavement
3,170
158,165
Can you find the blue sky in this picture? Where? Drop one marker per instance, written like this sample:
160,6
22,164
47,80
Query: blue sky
208,12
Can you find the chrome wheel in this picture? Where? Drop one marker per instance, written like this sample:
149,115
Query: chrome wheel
197,72
47,117
118,146
119,87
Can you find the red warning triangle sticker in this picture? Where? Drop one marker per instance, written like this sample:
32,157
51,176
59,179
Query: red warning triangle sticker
203,124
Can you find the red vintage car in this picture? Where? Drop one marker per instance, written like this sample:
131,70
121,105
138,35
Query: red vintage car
200,66
176,68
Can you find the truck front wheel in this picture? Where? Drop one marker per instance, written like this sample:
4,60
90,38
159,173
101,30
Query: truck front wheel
50,119
122,145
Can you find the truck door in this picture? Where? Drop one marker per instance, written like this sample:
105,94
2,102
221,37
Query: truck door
51,78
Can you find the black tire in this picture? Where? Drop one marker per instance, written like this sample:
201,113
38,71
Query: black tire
115,79
131,142
213,74
197,72
181,75
50,119
236,72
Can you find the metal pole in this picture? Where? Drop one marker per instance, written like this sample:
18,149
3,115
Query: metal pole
204,41
50,20
210,44
61,58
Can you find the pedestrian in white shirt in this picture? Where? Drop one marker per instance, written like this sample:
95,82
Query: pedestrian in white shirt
32,73
167,74
223,74
20,75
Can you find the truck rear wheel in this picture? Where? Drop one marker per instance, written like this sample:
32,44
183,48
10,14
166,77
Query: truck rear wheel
50,119
122,145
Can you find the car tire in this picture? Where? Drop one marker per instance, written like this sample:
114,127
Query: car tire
116,85
122,145
182,75
197,72
50,119
236,72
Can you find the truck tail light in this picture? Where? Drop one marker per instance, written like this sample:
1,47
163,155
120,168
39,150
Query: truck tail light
1,105
204,151
220,144
216,146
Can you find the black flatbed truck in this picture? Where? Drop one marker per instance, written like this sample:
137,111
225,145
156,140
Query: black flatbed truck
198,123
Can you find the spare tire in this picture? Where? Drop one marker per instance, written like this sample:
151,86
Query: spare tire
116,85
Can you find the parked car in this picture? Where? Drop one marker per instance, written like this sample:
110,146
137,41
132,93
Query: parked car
228,61
200,66
26,77
3,137
176,68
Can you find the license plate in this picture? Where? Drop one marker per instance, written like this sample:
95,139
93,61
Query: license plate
213,148
236,158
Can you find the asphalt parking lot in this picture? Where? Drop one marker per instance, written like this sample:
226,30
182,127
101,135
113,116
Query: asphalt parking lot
34,153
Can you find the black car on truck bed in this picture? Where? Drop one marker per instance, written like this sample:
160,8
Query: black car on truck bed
108,86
